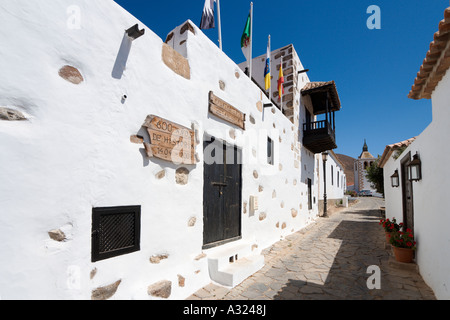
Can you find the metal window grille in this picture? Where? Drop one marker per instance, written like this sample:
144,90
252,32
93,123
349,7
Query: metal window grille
115,231
270,151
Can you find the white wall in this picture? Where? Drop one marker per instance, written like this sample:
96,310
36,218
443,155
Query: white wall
334,191
431,218
75,154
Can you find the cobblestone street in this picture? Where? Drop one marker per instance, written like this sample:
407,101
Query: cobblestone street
330,260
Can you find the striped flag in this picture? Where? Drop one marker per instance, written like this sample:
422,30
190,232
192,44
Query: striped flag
267,76
208,21
281,81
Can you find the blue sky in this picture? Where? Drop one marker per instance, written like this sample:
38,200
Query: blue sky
373,69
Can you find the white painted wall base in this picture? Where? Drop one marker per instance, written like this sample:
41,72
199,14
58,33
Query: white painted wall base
231,265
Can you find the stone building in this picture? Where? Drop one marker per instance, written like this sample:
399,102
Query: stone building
143,168
364,161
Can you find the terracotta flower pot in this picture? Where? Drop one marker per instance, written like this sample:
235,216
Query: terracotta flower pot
404,255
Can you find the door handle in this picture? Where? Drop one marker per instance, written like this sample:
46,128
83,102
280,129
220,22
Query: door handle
219,184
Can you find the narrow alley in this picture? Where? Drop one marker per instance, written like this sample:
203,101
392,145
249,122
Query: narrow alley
335,258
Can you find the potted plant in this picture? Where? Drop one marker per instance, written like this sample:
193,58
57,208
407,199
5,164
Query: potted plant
390,227
404,246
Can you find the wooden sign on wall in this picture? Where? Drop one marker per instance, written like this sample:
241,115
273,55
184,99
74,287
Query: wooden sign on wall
169,141
226,111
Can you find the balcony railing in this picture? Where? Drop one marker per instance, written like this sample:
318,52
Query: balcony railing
319,136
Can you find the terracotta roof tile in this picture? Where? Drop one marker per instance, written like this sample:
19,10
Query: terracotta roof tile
436,62
391,148
322,85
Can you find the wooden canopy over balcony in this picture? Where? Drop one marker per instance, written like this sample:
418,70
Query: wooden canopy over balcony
322,93
320,136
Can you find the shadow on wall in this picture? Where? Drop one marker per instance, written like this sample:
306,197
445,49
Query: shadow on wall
122,57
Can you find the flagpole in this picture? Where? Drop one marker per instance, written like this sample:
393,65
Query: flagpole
280,89
270,68
220,24
251,39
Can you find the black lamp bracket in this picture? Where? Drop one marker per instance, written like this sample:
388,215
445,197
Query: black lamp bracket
134,32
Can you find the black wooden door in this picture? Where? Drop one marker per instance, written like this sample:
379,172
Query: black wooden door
222,193
407,191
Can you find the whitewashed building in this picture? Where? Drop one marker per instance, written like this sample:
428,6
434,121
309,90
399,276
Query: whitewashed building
420,201
311,106
143,168
336,180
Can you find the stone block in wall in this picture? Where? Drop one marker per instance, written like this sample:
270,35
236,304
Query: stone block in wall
11,114
182,176
181,281
161,174
157,259
288,97
262,216
162,289
71,74
187,27
176,62
104,293
192,221
289,112
57,235
289,71
136,139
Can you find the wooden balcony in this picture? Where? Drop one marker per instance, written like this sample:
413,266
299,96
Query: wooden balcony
319,136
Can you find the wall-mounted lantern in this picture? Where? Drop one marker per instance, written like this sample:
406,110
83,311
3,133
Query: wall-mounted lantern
415,169
395,180
134,32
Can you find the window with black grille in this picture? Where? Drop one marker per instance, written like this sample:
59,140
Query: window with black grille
270,149
115,231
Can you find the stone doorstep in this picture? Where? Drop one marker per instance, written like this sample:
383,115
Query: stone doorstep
413,267
236,272
232,265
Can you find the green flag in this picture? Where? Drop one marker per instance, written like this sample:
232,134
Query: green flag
246,39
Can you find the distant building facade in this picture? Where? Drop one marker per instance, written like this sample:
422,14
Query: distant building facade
363,162
335,178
